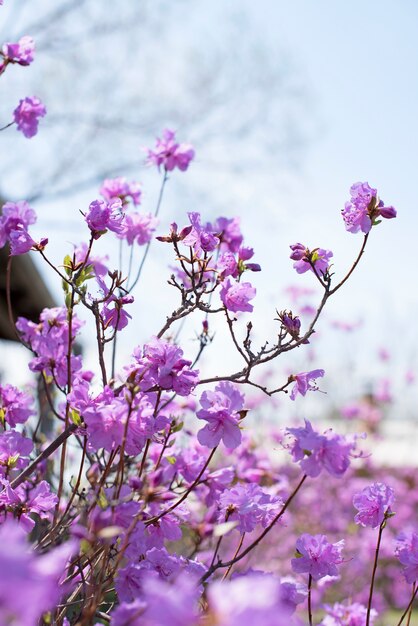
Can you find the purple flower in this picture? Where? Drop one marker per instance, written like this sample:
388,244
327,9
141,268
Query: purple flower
138,227
15,406
236,296
14,451
200,237
249,505
317,556
304,382
113,188
131,613
316,260
162,603
362,211
49,341
229,233
102,216
21,52
407,553
161,363
170,154
113,314
354,614
22,502
27,114
221,410
14,222
373,504
254,599
317,452
29,584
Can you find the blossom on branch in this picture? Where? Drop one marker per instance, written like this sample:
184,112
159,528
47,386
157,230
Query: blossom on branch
169,154
373,504
364,209
316,556
220,408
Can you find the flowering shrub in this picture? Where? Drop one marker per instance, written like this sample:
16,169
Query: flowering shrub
156,518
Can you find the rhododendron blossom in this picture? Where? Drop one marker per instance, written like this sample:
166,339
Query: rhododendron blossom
236,296
113,188
249,505
373,504
304,382
316,556
361,213
170,154
21,52
27,114
316,260
220,408
316,452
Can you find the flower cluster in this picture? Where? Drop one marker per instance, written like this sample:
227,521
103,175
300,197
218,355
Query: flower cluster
169,154
316,260
161,364
124,481
364,209
15,219
316,452
248,505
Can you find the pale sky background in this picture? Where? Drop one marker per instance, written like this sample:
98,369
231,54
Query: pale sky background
349,113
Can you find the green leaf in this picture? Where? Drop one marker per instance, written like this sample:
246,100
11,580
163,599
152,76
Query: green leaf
68,265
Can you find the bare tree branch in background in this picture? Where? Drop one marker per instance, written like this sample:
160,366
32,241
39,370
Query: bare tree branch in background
112,78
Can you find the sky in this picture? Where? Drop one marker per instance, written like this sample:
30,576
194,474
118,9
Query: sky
346,112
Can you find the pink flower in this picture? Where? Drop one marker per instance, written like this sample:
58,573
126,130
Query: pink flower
161,363
249,505
113,188
236,296
27,114
15,406
373,504
200,237
317,556
21,52
220,408
14,451
364,208
113,314
304,382
14,222
306,259
170,154
102,216
138,227
22,502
